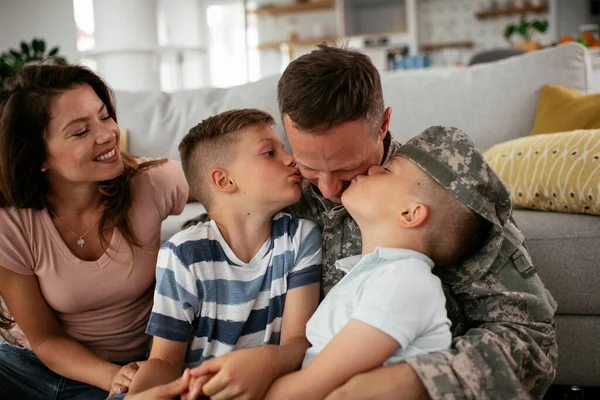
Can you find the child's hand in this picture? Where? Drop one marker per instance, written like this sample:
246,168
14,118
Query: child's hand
164,392
242,374
194,391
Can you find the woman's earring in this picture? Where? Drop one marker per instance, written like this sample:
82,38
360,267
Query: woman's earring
44,169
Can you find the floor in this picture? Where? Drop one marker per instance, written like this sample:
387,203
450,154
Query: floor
564,393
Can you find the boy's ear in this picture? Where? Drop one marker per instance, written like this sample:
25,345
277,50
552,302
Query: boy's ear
220,180
413,216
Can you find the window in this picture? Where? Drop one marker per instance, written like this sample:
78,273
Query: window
228,53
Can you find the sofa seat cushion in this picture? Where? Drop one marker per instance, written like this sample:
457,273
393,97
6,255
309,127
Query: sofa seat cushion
565,249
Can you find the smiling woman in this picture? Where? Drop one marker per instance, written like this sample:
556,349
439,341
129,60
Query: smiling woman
76,216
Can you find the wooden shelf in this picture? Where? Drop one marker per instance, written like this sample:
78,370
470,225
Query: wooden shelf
294,7
297,43
501,12
427,47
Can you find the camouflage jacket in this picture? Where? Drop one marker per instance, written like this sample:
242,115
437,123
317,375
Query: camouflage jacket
502,316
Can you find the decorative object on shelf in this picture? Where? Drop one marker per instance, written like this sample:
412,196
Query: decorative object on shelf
525,29
13,60
519,4
589,36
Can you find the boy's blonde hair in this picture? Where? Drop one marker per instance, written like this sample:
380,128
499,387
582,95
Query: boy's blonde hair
212,144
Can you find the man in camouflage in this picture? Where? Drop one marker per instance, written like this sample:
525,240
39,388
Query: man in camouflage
502,316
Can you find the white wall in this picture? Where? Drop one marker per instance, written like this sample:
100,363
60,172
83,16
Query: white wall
51,20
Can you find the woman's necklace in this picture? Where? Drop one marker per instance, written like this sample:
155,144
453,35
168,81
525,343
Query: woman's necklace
81,240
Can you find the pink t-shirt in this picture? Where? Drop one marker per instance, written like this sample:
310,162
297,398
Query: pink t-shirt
95,302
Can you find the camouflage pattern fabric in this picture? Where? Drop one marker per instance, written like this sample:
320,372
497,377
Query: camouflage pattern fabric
504,344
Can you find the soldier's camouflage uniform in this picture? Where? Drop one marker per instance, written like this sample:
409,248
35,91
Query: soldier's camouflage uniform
502,316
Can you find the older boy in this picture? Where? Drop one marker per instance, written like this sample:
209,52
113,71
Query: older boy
246,280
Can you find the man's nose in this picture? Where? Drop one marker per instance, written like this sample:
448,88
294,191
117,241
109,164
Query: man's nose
330,188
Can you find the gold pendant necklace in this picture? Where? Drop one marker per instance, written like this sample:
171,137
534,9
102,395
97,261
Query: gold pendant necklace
81,240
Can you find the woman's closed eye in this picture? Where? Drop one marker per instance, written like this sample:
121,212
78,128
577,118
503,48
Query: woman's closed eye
83,132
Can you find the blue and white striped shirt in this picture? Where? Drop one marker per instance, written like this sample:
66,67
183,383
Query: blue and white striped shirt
208,297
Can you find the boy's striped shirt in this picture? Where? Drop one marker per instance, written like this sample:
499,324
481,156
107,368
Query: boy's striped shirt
206,296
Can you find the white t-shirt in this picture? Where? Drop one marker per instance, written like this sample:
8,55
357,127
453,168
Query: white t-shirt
392,290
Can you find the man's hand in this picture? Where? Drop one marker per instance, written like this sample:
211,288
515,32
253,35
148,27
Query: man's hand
242,374
122,379
398,381
164,392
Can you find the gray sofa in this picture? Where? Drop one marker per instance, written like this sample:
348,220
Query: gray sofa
493,103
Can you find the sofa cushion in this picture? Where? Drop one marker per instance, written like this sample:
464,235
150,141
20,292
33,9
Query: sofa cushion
492,102
560,109
564,248
555,172
156,122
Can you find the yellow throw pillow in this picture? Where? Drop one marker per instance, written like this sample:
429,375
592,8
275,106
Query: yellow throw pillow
560,110
556,172
123,144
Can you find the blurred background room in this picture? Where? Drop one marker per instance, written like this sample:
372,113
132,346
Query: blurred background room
172,45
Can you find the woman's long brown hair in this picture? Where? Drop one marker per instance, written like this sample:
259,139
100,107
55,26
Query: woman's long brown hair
25,105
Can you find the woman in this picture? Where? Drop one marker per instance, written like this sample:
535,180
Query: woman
79,235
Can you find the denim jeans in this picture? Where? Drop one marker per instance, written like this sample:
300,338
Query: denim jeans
24,377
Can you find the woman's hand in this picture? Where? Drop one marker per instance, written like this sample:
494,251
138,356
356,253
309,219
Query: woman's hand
122,379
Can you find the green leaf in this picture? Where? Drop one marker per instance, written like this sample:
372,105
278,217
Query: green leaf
583,40
53,52
25,48
42,45
523,28
15,54
510,30
37,47
540,26
61,61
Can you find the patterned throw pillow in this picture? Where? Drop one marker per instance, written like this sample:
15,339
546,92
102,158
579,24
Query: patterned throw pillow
555,172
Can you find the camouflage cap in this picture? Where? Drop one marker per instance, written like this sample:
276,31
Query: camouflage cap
449,156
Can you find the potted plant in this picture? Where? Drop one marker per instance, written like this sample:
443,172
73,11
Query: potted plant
525,29
12,60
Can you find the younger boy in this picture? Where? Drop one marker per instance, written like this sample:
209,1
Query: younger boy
413,214
248,280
